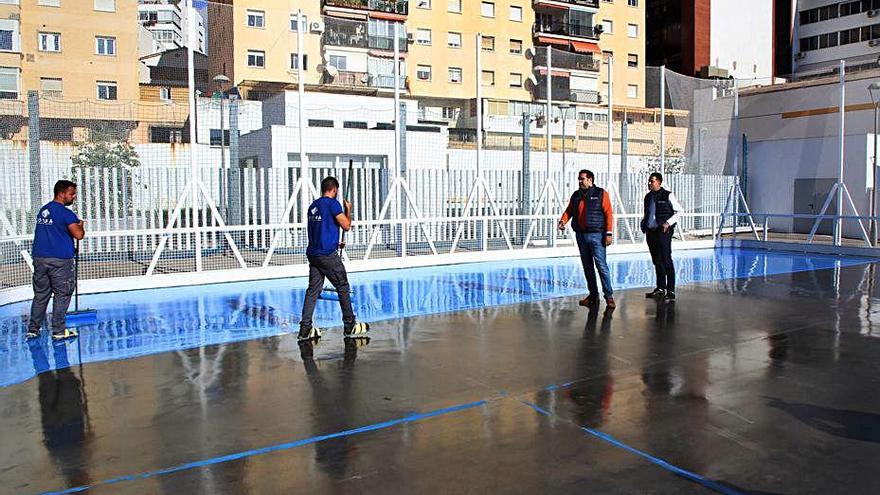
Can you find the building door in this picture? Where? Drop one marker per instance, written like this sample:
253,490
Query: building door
809,196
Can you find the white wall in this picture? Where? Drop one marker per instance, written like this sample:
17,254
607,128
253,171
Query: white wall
742,32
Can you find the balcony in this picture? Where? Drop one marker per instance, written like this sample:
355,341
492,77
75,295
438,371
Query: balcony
573,61
586,96
560,88
355,34
565,29
363,80
580,3
400,7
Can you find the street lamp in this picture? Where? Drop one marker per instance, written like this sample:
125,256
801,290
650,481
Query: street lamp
221,80
874,87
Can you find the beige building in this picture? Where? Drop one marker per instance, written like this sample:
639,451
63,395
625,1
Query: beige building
85,49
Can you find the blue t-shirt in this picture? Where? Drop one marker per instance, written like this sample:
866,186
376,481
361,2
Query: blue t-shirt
51,237
322,227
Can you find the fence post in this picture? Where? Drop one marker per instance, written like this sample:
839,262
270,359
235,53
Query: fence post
233,179
401,209
525,186
34,154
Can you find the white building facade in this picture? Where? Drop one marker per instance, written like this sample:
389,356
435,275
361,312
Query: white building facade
168,21
826,32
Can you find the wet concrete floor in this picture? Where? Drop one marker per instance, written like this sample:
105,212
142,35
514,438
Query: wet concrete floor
761,385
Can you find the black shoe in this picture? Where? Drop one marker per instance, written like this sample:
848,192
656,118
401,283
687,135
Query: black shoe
359,330
32,334
656,293
313,333
670,296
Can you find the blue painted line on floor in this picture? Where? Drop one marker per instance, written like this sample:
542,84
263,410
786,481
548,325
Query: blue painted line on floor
273,448
712,485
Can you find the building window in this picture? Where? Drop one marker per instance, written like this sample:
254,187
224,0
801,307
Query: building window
827,40
632,30
516,47
455,75
165,93
49,3
105,5
216,140
354,125
9,83
632,3
454,6
488,78
423,36
166,135
488,43
423,4
453,40
106,90
256,18
9,35
516,13
810,43
632,60
50,86
320,123
423,72
515,80
450,112
632,91
302,24
487,9
50,42
294,61
338,61
607,26
105,45
256,58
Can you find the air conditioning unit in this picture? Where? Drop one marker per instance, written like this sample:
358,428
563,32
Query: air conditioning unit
800,55
873,13
409,37
316,27
874,43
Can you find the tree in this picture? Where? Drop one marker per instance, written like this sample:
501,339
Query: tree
674,160
103,154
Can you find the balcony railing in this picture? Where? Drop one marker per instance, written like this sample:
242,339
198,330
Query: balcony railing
353,79
583,3
565,29
574,61
386,43
392,6
586,96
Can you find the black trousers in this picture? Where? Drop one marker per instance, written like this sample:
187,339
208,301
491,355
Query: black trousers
331,267
660,245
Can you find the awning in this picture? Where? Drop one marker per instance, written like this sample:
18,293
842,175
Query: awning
585,47
386,54
388,16
344,14
552,41
556,73
550,5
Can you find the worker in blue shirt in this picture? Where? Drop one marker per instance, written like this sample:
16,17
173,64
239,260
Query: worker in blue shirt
53,252
325,218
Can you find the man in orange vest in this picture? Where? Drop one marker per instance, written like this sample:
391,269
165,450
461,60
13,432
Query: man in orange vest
592,219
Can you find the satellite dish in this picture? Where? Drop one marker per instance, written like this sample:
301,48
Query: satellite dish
532,79
530,52
331,70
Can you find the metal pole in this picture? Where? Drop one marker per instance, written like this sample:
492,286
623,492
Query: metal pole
874,177
549,109
191,83
397,134
479,102
610,113
736,157
301,113
224,173
663,119
563,112
838,224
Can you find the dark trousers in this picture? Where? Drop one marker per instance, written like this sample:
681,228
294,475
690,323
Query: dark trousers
329,267
660,245
52,277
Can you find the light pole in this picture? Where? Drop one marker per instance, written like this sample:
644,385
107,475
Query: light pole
563,110
874,87
221,80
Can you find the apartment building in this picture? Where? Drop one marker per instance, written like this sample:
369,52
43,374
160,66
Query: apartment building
827,32
168,22
61,49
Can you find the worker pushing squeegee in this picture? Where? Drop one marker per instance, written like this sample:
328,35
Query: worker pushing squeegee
325,218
